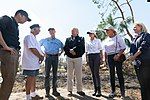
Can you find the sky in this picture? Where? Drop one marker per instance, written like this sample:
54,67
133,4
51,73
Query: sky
63,15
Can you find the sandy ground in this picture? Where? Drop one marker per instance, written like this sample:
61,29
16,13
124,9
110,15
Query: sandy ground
64,95
131,84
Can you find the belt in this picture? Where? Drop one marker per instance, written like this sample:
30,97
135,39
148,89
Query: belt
52,54
15,48
112,53
93,53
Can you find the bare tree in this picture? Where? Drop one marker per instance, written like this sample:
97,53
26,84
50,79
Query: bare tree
109,13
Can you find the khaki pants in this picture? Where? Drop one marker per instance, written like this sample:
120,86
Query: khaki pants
74,67
9,65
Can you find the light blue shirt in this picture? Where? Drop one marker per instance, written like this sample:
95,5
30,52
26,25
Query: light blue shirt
51,45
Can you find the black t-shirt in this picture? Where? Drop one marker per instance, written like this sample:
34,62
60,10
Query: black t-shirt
10,31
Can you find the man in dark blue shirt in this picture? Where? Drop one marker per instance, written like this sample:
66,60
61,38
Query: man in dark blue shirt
9,50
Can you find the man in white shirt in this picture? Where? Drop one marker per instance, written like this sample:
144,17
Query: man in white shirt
32,57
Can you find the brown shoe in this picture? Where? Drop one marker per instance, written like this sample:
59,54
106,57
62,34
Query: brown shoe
37,97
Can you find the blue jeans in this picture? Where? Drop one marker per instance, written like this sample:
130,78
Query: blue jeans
51,62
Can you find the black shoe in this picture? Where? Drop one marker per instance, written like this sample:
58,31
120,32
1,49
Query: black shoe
37,97
47,95
98,94
98,91
81,93
94,94
55,93
70,93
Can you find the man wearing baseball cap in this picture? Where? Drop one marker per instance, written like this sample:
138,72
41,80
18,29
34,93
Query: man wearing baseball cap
31,60
9,50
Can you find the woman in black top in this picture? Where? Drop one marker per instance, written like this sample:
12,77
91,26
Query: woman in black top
140,54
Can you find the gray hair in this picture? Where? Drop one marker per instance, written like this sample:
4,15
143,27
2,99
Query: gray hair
144,29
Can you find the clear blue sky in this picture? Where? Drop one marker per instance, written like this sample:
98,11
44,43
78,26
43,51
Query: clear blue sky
65,14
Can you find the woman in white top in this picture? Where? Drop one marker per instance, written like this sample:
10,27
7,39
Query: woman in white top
94,52
114,47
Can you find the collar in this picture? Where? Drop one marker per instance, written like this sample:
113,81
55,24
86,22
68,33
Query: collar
14,21
50,38
141,33
74,37
32,35
93,39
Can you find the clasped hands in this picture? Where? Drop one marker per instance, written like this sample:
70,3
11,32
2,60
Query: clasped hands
72,52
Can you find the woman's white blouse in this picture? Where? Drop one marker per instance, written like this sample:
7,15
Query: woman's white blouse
93,46
110,45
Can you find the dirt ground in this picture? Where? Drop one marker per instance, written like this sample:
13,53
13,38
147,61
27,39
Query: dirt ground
131,84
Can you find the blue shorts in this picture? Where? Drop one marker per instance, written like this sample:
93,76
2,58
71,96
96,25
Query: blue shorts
31,72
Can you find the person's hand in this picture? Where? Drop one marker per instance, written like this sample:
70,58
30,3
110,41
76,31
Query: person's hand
11,50
116,57
72,52
41,59
131,58
46,55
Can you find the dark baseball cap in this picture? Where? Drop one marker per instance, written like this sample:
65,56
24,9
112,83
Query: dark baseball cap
22,12
51,29
34,25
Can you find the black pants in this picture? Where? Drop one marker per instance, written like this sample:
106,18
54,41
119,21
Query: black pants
94,63
51,62
118,65
143,75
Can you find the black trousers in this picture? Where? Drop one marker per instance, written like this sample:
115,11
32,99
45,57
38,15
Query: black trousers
143,75
94,63
118,65
51,62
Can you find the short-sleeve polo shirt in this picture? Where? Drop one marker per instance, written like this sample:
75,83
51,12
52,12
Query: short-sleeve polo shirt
10,31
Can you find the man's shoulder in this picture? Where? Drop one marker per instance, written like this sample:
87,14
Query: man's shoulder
5,18
58,40
68,38
29,37
80,38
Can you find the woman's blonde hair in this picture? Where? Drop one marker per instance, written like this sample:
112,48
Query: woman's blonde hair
144,29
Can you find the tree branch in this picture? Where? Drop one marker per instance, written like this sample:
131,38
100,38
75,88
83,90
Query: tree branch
123,18
130,10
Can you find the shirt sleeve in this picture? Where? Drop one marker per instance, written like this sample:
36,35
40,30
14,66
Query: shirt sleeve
4,21
61,45
41,42
99,44
30,42
86,47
